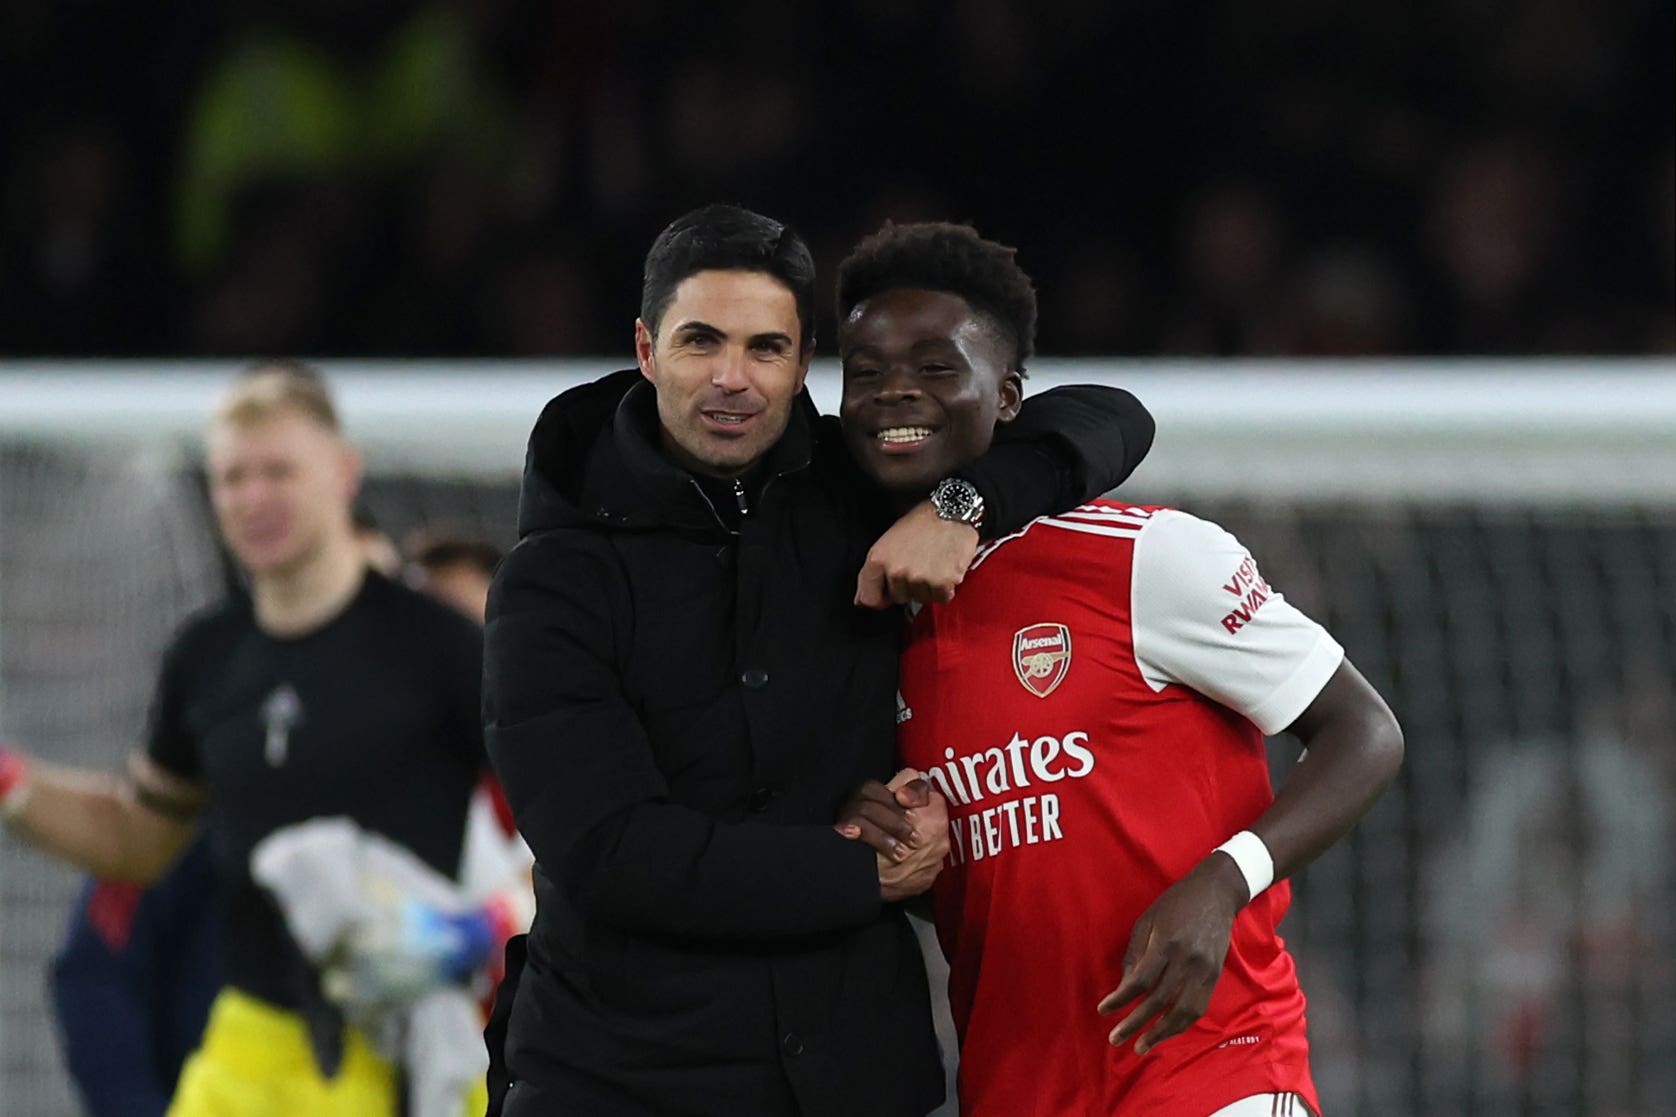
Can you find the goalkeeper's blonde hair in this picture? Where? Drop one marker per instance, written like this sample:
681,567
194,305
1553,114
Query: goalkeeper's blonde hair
273,386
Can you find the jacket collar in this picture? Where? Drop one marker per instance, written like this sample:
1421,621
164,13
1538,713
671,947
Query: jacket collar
630,483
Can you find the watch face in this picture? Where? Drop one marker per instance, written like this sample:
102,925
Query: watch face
955,500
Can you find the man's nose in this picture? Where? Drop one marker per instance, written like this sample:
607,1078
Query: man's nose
253,493
728,371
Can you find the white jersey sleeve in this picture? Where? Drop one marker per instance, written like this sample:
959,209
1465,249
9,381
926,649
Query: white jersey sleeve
1203,616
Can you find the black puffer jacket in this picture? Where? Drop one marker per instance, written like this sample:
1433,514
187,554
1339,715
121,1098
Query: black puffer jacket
677,711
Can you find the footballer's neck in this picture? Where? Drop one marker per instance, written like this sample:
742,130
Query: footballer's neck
305,596
903,500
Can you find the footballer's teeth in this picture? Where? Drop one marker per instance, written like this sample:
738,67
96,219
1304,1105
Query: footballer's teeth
727,417
903,434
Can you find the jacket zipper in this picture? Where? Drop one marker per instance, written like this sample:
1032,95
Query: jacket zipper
710,504
739,495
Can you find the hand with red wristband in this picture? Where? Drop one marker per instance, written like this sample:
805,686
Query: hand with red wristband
14,783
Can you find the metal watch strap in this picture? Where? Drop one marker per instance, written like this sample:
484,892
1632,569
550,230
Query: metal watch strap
956,498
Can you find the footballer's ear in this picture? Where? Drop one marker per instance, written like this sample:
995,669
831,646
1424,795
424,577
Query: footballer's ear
1012,396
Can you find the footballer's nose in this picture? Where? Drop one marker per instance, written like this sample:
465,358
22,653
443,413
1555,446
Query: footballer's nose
897,386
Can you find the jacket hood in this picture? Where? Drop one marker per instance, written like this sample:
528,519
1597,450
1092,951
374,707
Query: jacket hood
594,460
555,462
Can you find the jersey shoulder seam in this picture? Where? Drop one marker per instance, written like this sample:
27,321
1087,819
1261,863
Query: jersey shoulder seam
1119,522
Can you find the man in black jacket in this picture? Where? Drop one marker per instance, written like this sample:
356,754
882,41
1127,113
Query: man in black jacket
681,697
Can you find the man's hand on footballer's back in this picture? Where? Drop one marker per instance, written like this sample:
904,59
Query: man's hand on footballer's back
921,558
1175,954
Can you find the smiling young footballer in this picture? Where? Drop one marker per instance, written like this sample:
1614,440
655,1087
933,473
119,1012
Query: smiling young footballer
1093,704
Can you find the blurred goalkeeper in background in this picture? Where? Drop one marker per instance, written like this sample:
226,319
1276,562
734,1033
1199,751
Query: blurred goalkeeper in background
329,691
133,983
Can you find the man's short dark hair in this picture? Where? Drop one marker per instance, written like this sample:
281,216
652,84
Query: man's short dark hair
939,256
363,520
727,238
434,550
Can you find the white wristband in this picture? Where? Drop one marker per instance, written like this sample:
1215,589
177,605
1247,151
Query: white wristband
1255,862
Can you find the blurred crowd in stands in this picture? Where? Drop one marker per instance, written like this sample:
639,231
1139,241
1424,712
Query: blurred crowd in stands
480,177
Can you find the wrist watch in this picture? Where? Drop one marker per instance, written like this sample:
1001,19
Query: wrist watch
956,498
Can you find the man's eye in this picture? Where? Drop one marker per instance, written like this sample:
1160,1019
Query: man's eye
860,373
936,369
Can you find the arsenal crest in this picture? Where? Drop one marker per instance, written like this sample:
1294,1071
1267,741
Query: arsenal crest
1042,657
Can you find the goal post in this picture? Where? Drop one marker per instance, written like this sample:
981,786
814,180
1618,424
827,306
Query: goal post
1504,431
1494,542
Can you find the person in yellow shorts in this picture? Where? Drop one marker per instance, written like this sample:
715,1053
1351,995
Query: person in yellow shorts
256,1062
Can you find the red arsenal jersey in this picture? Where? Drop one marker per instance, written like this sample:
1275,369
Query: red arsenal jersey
1093,704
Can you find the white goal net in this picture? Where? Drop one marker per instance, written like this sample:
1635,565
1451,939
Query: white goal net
1495,545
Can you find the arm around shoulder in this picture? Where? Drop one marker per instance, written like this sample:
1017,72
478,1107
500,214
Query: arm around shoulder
1068,446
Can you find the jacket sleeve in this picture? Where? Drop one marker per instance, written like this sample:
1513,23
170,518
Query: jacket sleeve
107,1017
1067,446
587,794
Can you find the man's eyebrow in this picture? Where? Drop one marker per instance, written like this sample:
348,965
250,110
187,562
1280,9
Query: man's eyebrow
935,344
695,326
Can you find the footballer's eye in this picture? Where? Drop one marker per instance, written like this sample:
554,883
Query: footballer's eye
860,373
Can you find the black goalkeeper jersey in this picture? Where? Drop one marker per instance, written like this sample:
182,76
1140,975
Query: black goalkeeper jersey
374,715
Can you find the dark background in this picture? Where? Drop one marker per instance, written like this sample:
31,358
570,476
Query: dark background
481,177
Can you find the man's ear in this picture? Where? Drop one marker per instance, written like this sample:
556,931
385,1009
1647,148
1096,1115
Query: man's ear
1012,396
807,355
644,344
351,468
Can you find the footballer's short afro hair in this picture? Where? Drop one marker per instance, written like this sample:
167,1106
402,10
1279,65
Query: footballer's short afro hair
939,256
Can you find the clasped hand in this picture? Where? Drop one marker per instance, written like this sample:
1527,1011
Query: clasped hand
907,823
